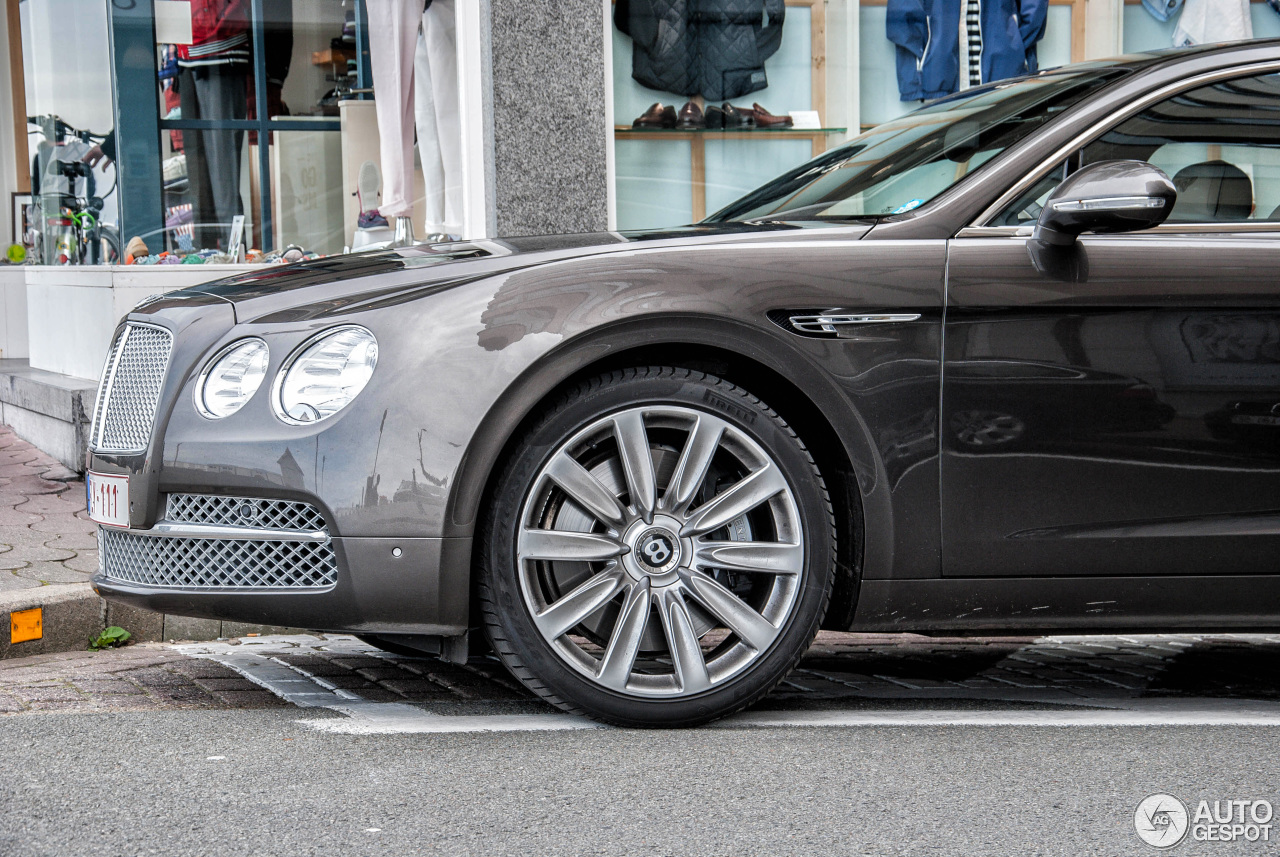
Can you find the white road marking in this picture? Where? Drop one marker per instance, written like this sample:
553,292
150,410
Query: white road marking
257,660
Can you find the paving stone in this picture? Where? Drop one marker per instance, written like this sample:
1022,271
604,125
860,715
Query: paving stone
30,485
106,685
50,572
201,668
380,672
250,699
415,687
10,517
59,693
85,563
221,684
10,581
23,555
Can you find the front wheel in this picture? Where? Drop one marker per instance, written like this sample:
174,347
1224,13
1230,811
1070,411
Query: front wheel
658,551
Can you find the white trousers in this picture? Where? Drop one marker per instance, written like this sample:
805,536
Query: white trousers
415,79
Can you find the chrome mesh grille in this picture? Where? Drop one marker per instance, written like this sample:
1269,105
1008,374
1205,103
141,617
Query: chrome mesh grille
130,389
189,563
244,512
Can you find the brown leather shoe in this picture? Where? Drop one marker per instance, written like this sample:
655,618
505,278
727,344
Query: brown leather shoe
657,116
737,117
691,116
765,119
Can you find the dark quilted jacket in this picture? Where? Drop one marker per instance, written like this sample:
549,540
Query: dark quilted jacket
713,48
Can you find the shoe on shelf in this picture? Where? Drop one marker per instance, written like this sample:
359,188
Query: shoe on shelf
657,116
714,116
371,219
765,119
690,116
738,117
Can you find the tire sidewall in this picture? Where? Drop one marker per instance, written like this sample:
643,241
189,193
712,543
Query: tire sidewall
658,387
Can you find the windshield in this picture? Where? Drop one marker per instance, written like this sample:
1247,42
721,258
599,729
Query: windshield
902,164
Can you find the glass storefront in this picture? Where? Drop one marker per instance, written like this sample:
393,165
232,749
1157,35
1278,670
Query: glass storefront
834,58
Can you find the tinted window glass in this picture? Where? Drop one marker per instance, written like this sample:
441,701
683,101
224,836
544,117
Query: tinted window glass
1220,144
901,165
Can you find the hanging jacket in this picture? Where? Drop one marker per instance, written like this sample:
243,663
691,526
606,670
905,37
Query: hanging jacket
927,36
715,48
219,34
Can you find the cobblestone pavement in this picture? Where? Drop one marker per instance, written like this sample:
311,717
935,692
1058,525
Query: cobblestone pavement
45,533
840,671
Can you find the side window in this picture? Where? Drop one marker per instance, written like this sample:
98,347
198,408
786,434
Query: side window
1220,144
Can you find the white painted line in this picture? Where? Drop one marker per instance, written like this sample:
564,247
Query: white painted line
1226,714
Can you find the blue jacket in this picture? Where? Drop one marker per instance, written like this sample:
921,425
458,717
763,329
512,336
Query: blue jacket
927,35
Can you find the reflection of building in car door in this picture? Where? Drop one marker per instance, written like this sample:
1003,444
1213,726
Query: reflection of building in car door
415,77
1144,377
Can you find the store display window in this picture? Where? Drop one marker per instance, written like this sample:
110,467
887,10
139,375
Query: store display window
248,94
833,73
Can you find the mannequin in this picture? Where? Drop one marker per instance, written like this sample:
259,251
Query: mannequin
415,77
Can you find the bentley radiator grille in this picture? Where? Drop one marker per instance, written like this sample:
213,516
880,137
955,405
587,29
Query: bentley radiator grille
191,563
130,389
249,543
244,512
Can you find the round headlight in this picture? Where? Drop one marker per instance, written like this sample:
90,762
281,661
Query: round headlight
324,375
231,378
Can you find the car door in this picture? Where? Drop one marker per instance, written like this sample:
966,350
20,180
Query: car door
1114,408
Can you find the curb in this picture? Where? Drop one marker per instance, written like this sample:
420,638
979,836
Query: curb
72,614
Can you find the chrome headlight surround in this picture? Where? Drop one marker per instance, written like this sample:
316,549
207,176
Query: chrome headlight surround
307,351
215,363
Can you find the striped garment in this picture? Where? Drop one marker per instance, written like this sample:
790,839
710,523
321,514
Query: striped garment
973,30
233,50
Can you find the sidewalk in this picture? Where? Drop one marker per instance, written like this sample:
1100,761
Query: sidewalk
48,552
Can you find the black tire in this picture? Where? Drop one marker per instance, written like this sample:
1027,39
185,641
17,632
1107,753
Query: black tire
508,616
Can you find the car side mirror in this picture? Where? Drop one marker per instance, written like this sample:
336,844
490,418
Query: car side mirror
1109,196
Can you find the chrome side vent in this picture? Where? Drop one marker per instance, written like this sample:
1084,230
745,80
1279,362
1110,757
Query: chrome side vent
837,323
825,323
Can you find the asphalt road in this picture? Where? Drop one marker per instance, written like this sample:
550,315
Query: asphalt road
152,783
152,761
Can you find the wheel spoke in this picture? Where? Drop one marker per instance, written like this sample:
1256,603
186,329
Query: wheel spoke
637,462
586,490
567,546
696,457
686,654
624,644
585,599
763,557
740,618
739,499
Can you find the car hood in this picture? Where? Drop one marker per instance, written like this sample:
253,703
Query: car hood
344,282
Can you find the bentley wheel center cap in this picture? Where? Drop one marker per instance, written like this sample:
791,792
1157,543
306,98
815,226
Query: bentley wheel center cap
657,550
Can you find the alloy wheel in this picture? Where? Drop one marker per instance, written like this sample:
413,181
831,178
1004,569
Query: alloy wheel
660,551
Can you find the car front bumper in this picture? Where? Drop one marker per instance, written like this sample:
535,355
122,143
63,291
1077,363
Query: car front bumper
381,586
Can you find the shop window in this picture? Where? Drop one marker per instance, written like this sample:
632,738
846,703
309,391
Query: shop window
834,59
1142,32
249,122
666,177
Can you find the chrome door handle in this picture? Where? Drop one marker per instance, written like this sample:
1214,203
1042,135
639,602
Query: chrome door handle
828,323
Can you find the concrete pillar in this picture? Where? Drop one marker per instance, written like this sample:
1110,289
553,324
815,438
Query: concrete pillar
550,128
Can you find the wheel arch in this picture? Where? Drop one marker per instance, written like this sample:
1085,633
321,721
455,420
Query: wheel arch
741,355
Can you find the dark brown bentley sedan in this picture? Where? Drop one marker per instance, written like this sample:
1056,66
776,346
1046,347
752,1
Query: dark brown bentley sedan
1009,362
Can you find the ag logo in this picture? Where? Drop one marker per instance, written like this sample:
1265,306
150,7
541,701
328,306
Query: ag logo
1161,820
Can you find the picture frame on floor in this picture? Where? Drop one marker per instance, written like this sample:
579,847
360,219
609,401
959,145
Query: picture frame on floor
18,203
